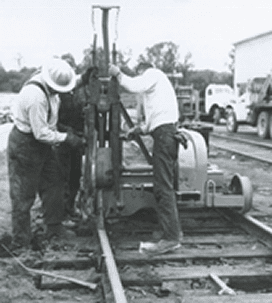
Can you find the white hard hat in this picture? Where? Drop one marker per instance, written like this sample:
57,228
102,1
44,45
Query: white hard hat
59,75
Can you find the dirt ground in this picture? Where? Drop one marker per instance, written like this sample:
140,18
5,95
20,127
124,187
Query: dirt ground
17,286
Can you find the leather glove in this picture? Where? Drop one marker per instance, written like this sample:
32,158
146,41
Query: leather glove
73,140
64,128
86,75
133,132
181,138
114,70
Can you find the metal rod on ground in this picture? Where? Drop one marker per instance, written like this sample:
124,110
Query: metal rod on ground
91,286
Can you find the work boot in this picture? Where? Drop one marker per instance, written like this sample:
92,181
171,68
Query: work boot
72,214
72,219
158,235
58,231
161,247
58,237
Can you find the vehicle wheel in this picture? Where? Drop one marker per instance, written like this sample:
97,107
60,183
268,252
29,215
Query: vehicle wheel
263,125
231,121
270,125
216,116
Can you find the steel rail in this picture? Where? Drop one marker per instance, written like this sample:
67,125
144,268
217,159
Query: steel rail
242,153
260,232
115,281
113,275
249,224
259,224
242,140
246,222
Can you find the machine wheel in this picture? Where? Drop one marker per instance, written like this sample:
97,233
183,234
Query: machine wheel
216,116
231,121
263,125
241,185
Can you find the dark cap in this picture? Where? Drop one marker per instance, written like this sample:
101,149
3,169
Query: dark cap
144,66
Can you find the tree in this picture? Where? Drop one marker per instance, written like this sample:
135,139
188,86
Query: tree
185,68
163,55
12,81
68,57
122,59
4,80
19,60
202,78
231,63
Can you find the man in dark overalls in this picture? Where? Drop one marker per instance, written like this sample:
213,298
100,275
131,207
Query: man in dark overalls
32,163
70,159
71,117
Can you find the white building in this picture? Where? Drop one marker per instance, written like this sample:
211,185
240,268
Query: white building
253,58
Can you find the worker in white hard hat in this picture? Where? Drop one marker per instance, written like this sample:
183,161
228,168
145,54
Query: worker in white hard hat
161,116
32,163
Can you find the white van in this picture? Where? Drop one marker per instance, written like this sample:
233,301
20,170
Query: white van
217,97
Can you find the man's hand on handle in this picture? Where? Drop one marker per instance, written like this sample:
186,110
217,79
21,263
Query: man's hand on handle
74,141
114,70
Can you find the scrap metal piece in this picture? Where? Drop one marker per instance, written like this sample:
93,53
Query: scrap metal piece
224,288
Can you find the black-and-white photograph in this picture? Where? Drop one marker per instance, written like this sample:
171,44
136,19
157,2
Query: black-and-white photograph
135,151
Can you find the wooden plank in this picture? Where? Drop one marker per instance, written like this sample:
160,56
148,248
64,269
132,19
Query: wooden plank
142,279
218,240
192,254
188,230
247,298
168,273
210,230
134,276
184,214
76,263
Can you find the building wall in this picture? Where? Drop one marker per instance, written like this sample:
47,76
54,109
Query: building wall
253,58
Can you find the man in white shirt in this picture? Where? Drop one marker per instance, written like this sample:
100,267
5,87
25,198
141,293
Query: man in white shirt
161,115
31,160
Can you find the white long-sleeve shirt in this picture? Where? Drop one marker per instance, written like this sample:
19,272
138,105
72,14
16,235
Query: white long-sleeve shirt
31,113
159,98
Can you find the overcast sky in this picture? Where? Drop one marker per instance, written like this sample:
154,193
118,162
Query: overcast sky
37,29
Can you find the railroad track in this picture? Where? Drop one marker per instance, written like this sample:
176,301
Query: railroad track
248,147
224,256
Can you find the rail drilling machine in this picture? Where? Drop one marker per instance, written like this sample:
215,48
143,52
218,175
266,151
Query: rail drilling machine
112,188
